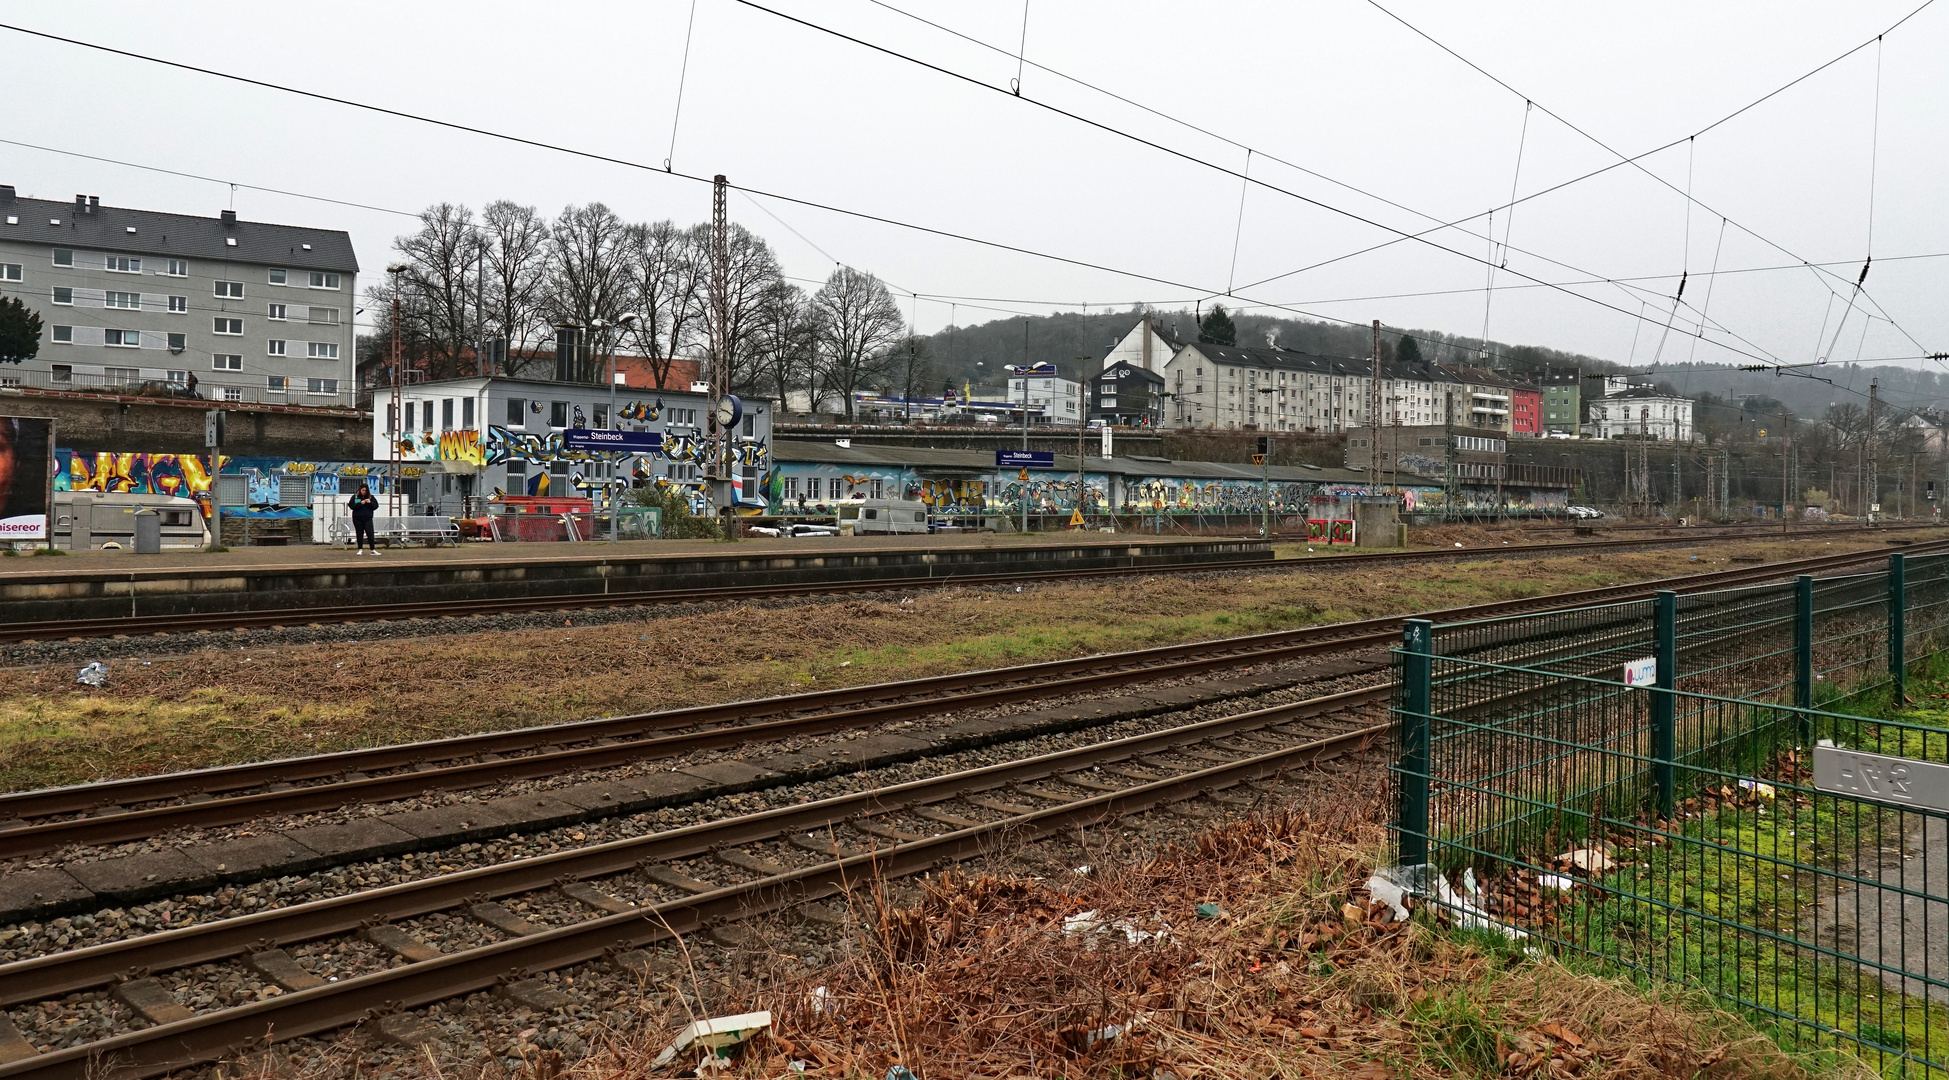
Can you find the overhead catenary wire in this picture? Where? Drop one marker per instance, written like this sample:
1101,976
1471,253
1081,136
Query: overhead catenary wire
1509,221
1184,155
815,204
1636,161
683,76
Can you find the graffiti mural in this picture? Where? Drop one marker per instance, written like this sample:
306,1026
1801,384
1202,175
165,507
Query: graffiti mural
1181,496
188,475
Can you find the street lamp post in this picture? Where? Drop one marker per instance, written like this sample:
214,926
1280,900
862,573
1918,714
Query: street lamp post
623,322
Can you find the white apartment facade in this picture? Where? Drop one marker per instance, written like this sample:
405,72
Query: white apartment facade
215,307
1640,411
1061,399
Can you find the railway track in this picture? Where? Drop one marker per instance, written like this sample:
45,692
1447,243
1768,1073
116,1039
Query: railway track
610,902
118,811
141,625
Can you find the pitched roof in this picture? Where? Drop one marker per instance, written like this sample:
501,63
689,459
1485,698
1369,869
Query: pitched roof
182,236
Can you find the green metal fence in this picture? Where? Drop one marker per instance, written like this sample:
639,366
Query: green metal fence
1674,827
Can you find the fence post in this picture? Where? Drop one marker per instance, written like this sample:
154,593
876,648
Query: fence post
1664,702
1417,679
1898,624
1803,649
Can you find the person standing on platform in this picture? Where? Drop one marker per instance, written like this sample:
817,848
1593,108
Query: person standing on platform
363,506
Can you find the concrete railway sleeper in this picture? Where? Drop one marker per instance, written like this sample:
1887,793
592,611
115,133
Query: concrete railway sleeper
634,893
118,811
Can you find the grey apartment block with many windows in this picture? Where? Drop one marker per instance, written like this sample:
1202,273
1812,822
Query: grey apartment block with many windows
225,309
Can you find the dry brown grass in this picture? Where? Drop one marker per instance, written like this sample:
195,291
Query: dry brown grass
219,705
1298,977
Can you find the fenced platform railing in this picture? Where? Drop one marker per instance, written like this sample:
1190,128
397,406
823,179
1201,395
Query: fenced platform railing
1672,787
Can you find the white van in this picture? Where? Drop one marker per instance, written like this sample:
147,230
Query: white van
891,516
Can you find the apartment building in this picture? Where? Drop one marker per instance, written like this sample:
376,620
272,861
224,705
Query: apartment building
179,305
1059,400
1274,389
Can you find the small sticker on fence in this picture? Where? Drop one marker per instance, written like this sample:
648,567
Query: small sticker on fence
1904,781
1641,672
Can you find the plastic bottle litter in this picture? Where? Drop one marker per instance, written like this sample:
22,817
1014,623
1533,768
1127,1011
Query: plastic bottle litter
94,675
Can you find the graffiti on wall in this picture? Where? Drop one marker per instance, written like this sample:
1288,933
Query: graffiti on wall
188,475
1178,495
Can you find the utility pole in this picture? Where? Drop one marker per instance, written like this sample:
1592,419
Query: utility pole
717,456
1374,418
398,405
1874,469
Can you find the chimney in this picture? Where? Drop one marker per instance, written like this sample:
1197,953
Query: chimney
94,203
229,217
80,205
6,193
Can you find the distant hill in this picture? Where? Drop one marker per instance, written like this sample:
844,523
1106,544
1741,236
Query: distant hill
1076,342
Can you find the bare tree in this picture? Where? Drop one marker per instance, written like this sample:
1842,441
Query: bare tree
857,320
514,240
910,367
437,286
666,277
589,279
786,347
753,275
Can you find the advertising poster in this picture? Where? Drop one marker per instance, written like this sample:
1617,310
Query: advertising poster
26,477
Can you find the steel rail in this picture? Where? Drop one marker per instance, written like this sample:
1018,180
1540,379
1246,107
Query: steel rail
435,609
65,972
598,749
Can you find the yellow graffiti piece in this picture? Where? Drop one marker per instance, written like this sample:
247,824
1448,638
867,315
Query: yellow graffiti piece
462,445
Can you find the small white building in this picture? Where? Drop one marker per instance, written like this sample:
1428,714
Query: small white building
1630,412
1061,399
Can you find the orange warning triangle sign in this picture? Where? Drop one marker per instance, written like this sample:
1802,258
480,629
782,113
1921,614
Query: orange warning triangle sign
1024,475
1076,516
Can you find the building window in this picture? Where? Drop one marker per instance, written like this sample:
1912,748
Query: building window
179,305
10,272
446,414
178,342
122,339
122,264
558,414
601,417
275,311
324,316
467,412
129,300
276,384
324,281
63,257
321,386
177,268
224,362
277,277
274,347
228,290
321,350
234,327
516,417
61,373
63,295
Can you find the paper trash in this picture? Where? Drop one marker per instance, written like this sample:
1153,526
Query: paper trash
720,1034
94,674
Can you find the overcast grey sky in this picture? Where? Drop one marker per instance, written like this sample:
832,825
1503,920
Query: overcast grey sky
1336,87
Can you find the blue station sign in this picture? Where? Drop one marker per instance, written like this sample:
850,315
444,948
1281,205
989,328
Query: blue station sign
1024,459
633,442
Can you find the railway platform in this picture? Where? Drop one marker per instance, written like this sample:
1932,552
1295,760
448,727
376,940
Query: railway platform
314,583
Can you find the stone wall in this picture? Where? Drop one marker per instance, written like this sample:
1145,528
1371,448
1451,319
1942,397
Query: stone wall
102,423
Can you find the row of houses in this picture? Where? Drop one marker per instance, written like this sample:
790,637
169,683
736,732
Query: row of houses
1173,383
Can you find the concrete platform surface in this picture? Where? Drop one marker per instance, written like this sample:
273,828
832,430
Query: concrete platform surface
313,556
